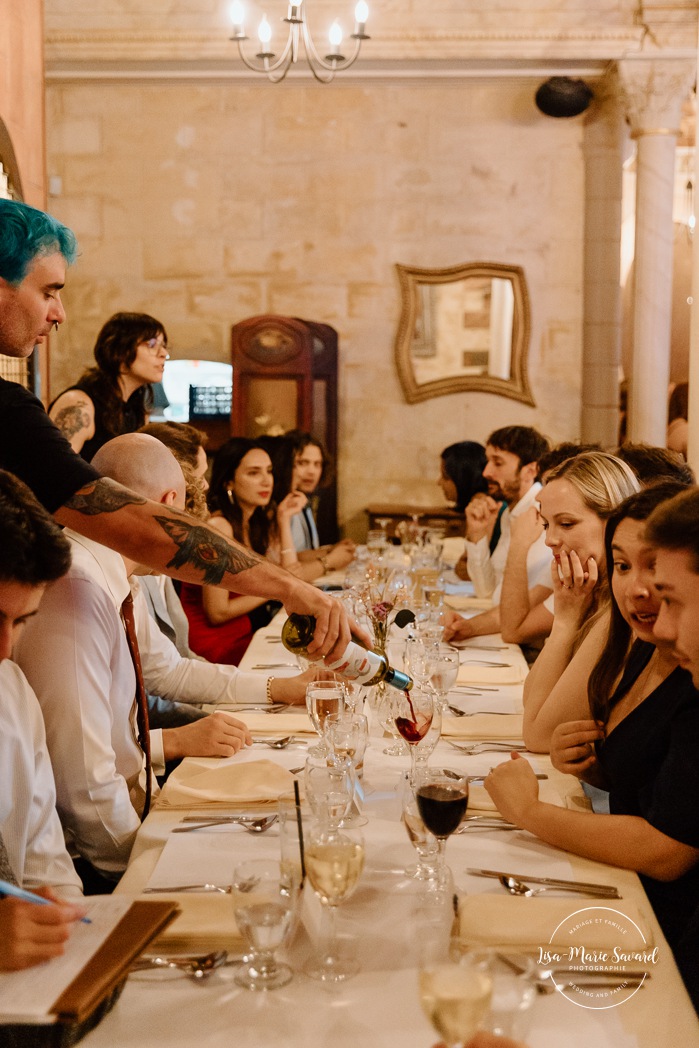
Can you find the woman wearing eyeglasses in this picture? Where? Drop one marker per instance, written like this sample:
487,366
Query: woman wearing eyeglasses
115,396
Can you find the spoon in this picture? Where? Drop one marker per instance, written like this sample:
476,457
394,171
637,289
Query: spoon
191,888
197,967
464,713
278,744
251,825
516,887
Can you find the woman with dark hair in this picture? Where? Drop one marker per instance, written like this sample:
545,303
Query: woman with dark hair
630,727
115,396
461,475
301,465
240,500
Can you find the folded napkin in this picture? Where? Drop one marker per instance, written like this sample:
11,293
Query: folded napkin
480,673
461,602
479,800
204,782
277,723
484,726
526,923
206,922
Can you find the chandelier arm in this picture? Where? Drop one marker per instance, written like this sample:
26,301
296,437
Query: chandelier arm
284,61
332,66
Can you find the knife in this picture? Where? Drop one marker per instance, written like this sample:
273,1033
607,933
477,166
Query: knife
603,889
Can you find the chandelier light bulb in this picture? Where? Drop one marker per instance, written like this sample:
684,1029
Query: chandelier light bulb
361,12
335,34
237,13
264,31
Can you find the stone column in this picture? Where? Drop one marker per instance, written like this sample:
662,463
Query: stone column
604,139
654,89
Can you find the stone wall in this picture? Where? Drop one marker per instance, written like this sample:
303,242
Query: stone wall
207,204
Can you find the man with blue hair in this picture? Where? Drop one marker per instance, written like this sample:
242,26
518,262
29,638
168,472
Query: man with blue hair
35,250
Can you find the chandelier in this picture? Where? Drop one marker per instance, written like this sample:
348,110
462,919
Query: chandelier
276,67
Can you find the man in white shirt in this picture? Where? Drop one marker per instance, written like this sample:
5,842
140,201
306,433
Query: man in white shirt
511,469
32,851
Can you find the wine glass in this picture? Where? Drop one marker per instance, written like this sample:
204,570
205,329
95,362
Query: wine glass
347,735
329,791
456,999
386,704
424,749
333,867
418,660
422,841
265,907
441,798
413,716
445,670
323,697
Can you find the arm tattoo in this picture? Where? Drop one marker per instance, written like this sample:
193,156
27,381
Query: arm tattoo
103,496
71,420
203,549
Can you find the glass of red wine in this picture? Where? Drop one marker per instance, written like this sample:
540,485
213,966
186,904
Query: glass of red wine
441,798
413,712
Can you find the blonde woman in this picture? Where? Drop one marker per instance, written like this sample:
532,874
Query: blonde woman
578,497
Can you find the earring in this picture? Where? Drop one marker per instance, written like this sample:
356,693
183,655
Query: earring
231,496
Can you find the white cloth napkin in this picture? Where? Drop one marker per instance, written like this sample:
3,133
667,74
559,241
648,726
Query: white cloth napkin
206,922
480,673
278,723
484,726
204,782
527,923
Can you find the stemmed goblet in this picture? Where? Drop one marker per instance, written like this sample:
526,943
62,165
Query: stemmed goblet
333,866
323,698
329,790
441,797
414,710
445,670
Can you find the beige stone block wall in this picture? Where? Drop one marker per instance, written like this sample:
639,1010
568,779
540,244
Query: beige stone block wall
208,203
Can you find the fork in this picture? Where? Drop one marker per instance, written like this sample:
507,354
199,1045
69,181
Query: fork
473,749
464,713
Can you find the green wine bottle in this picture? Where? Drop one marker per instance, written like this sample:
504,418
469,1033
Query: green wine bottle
365,667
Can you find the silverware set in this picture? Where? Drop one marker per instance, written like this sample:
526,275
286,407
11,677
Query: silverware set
252,824
198,968
485,746
519,884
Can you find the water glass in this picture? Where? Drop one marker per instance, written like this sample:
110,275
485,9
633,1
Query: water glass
265,906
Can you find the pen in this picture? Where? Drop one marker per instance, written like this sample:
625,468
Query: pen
21,893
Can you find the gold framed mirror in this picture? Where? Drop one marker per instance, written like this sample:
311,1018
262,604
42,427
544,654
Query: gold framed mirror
463,328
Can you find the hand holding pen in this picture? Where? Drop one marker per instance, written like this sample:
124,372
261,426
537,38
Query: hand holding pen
33,926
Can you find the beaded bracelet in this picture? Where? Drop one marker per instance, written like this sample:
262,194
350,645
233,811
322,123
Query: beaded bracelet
269,689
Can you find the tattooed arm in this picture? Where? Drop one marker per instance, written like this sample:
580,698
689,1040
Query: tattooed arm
74,414
179,545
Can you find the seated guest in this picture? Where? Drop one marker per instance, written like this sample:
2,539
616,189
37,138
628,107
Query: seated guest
674,529
677,415
188,445
651,464
632,728
114,397
300,463
33,553
578,497
76,653
240,498
460,478
512,464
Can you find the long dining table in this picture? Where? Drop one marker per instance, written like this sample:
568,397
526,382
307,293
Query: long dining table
380,1006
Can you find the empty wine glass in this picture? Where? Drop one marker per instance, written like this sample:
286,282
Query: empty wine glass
442,796
418,660
323,697
265,906
347,735
424,843
445,670
333,867
329,791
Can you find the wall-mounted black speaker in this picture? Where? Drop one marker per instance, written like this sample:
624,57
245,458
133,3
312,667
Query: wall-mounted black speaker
562,96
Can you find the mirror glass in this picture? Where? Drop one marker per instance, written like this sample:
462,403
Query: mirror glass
463,328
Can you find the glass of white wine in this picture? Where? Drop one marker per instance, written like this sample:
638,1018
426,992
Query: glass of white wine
265,904
456,1000
323,698
333,866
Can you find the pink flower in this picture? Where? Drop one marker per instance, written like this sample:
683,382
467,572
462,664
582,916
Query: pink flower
380,611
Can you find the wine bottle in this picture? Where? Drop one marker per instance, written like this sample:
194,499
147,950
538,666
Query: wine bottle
357,663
